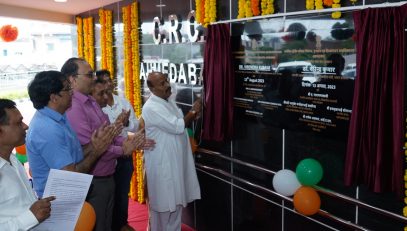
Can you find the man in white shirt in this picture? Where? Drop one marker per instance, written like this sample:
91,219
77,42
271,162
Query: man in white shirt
119,107
19,208
171,175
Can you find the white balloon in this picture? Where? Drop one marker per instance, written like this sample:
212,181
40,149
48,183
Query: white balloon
285,182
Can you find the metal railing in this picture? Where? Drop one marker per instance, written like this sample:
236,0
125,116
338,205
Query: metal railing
319,189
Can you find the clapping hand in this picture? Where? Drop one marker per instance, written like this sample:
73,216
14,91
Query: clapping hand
123,118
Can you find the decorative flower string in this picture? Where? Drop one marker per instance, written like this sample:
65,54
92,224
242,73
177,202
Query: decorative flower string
205,11
242,8
102,21
85,39
136,58
267,7
127,53
336,4
309,4
248,9
109,44
255,7
212,11
133,88
319,5
106,41
89,41
79,30
328,3
199,16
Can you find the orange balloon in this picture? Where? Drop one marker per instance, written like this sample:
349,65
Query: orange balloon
87,218
306,201
194,146
21,150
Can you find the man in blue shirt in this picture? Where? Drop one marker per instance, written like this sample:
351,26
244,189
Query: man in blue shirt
51,142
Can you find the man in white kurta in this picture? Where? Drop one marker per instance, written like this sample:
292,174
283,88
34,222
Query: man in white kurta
19,208
171,176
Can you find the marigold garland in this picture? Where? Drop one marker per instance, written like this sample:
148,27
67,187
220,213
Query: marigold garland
198,11
205,11
242,8
255,7
328,2
89,41
79,30
319,5
248,9
309,4
106,41
336,14
267,7
133,88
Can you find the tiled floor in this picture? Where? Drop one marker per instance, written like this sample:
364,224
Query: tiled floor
138,217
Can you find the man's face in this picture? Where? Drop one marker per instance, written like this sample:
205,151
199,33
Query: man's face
83,80
109,83
65,96
100,95
13,133
161,86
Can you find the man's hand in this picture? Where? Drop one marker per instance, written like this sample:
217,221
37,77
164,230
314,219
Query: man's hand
133,142
197,108
42,208
103,137
123,118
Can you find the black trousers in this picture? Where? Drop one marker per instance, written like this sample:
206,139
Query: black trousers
122,176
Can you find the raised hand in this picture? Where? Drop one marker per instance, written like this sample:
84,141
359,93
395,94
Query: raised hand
123,118
42,208
102,138
197,107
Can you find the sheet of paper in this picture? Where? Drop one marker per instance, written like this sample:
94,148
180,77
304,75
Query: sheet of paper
70,190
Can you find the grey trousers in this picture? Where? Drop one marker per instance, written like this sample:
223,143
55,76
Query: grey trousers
101,197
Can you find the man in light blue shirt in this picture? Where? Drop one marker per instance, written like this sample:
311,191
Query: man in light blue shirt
51,143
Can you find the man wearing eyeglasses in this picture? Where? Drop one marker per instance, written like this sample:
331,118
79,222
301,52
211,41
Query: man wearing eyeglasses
51,142
85,116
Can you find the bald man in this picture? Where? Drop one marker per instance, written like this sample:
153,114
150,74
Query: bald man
170,168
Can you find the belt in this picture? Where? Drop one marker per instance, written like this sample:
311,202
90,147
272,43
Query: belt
102,177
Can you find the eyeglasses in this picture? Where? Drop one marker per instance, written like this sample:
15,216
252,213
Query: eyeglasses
90,75
68,88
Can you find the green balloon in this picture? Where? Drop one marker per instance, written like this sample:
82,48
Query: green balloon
21,158
309,172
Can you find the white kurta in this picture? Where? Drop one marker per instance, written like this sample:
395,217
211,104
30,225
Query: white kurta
16,197
120,104
170,168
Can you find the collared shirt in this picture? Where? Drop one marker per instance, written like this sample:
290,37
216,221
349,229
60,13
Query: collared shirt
170,168
16,197
120,104
51,143
85,116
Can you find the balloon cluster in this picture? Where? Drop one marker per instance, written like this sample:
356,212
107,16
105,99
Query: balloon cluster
21,153
308,173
